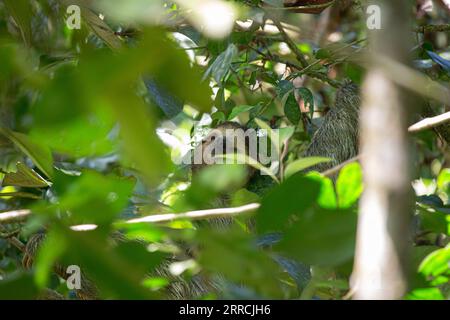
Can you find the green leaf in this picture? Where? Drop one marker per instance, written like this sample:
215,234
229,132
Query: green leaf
234,255
49,251
349,185
222,64
292,109
38,153
140,142
155,283
291,198
24,177
437,263
436,222
443,181
114,272
97,25
240,158
283,87
308,99
238,110
327,198
425,294
286,133
141,231
323,54
302,164
93,197
243,197
18,286
325,238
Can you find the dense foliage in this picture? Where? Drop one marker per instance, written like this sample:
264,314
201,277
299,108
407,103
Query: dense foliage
93,121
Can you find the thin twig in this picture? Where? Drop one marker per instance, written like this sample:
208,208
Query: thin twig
337,168
13,240
167,217
290,43
282,156
198,214
299,55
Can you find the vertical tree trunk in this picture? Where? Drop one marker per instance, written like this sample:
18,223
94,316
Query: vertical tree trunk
385,207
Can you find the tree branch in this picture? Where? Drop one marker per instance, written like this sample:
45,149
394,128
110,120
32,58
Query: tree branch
339,167
14,216
198,214
13,240
433,28
299,55
429,123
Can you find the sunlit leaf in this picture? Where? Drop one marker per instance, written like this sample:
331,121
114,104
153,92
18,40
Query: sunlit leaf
349,185
437,263
24,177
425,294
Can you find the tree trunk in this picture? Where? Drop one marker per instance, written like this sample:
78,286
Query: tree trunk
383,239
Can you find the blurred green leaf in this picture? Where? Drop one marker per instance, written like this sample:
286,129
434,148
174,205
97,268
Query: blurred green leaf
233,254
52,248
243,197
95,198
111,270
293,197
21,11
18,286
349,185
141,231
325,238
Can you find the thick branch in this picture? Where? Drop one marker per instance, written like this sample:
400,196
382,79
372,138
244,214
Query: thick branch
385,207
